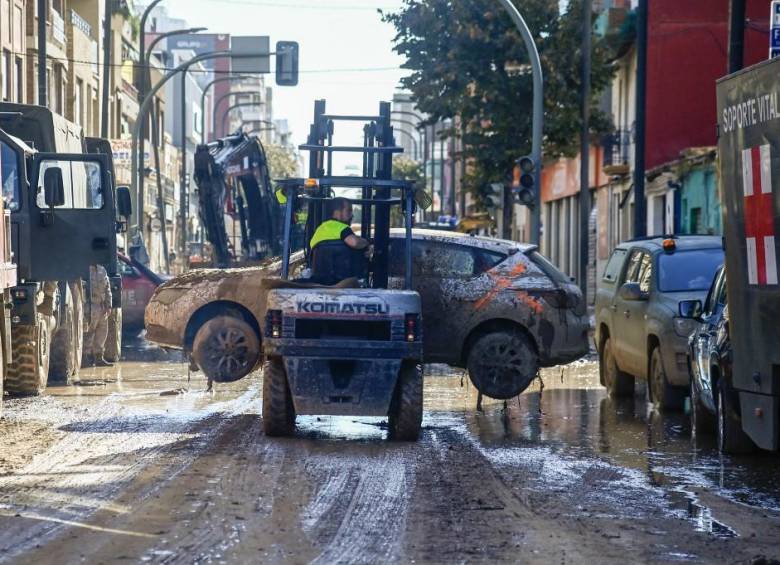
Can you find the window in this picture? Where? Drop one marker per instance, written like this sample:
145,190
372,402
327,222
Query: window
615,263
6,62
9,177
442,260
640,269
688,270
19,78
78,102
127,270
717,295
81,181
548,268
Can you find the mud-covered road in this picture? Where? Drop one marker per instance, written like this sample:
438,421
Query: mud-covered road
138,464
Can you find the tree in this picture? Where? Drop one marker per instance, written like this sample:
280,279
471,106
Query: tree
405,168
468,60
282,161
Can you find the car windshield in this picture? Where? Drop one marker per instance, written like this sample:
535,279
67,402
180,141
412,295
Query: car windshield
688,270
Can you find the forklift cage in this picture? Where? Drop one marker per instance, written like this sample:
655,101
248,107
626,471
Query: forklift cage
376,183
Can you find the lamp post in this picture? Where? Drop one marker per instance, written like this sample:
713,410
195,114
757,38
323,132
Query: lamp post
414,140
420,120
237,105
214,109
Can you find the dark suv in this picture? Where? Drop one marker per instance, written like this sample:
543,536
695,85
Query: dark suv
638,330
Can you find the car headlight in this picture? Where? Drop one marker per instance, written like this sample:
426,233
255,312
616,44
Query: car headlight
684,327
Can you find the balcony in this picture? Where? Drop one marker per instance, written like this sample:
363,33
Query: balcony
618,147
57,28
80,23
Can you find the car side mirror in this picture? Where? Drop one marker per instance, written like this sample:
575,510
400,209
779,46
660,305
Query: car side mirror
691,309
53,187
124,205
631,292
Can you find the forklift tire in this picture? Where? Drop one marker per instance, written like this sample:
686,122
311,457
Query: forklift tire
278,409
226,349
113,348
28,371
406,408
67,342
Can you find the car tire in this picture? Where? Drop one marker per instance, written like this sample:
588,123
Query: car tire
278,408
664,396
502,364
618,383
729,435
226,349
406,408
702,422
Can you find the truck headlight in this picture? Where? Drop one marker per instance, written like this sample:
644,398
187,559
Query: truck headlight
684,327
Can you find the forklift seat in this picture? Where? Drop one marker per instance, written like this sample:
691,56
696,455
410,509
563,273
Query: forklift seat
334,261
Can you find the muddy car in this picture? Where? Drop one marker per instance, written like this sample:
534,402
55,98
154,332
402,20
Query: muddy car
497,308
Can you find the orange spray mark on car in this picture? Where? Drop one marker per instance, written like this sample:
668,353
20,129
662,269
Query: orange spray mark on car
500,282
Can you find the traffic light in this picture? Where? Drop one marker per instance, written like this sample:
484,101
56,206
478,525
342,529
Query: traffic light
495,195
524,181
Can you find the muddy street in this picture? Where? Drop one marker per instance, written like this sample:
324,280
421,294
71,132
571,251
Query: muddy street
136,463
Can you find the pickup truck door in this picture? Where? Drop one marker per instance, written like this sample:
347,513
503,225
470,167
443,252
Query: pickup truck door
629,331
65,239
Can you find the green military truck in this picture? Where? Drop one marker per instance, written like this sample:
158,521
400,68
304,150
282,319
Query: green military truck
63,219
749,151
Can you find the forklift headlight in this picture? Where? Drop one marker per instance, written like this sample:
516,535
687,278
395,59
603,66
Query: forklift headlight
273,323
411,323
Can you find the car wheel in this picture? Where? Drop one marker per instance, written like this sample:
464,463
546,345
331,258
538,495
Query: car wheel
701,420
617,383
278,408
730,437
665,397
226,349
502,364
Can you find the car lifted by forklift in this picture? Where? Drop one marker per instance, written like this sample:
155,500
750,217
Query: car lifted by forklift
354,348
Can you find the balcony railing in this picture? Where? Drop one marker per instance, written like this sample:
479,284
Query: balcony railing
80,23
618,147
57,27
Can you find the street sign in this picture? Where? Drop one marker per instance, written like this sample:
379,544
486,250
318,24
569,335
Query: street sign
248,45
774,29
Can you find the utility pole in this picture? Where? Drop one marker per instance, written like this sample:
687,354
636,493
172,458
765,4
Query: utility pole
640,215
736,35
43,12
587,6
107,13
453,210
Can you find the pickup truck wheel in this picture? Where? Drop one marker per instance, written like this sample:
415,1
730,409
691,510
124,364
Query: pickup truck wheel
665,397
502,364
701,420
406,408
730,437
28,371
226,349
278,408
617,383
113,348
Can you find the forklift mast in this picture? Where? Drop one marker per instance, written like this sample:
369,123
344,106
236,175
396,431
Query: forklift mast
376,186
233,181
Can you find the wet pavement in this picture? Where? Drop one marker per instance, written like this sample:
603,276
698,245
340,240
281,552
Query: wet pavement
138,463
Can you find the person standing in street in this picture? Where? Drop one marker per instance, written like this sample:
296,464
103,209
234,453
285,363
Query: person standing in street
100,308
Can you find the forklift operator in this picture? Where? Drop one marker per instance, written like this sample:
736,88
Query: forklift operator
336,252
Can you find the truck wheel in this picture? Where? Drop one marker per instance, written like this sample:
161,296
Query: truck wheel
226,349
113,348
665,397
66,345
730,437
278,409
701,420
617,383
406,408
502,364
29,369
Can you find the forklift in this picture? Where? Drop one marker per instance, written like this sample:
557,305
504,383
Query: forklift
354,348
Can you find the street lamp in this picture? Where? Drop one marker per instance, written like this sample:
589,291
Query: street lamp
420,120
237,105
411,125
214,108
218,103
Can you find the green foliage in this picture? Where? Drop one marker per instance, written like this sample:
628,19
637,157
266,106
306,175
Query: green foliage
405,168
282,161
468,60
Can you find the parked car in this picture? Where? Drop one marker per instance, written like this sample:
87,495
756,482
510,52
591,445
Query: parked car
138,285
714,404
495,307
639,333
